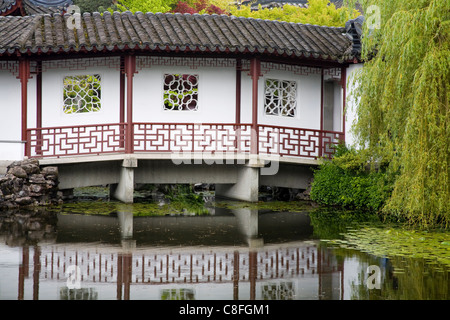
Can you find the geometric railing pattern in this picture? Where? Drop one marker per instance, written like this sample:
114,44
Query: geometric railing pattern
75,140
181,138
297,142
191,137
195,267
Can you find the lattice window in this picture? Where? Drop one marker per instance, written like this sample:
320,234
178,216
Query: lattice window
177,294
278,291
280,97
181,92
82,94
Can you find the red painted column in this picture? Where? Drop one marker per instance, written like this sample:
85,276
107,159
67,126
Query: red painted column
36,271
23,271
255,73
253,272
119,276
130,70
236,275
321,116
24,75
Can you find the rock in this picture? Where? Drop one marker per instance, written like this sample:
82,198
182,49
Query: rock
24,201
36,188
30,168
25,184
34,225
14,164
50,171
37,178
19,172
23,193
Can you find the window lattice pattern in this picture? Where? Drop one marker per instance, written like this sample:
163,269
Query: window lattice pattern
82,94
280,97
181,92
278,291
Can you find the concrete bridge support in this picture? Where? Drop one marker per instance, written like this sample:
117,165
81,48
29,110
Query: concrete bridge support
123,191
245,188
238,180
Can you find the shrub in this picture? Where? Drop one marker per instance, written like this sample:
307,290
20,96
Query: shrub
349,181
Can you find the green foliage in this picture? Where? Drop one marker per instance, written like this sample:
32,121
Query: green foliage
183,199
93,5
348,181
390,240
145,5
403,112
319,12
82,94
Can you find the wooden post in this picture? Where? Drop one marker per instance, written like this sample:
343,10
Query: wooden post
253,272
236,275
36,271
130,70
23,271
119,276
255,73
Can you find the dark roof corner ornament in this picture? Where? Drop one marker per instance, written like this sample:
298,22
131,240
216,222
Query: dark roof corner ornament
353,30
32,7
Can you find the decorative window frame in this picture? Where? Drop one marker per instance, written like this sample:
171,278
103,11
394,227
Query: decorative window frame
186,97
98,95
283,111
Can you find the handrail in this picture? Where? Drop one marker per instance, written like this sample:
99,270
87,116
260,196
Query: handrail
170,137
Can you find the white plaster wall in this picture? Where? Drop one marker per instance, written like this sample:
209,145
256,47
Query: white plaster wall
350,105
216,94
308,100
337,110
10,116
52,97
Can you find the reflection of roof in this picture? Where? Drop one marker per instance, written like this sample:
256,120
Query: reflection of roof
32,7
173,32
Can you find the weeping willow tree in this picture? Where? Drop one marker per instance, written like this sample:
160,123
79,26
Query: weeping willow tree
403,112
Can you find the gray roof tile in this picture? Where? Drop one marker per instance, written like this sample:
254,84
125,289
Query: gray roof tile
216,33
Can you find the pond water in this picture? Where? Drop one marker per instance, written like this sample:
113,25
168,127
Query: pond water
236,251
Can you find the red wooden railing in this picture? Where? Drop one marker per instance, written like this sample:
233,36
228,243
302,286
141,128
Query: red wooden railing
75,140
180,137
192,137
297,142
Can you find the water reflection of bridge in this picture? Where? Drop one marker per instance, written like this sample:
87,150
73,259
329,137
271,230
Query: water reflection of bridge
274,268
241,270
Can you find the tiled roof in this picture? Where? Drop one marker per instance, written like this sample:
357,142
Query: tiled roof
32,7
6,5
172,32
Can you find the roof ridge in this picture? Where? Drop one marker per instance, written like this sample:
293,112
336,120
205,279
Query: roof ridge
231,17
172,32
